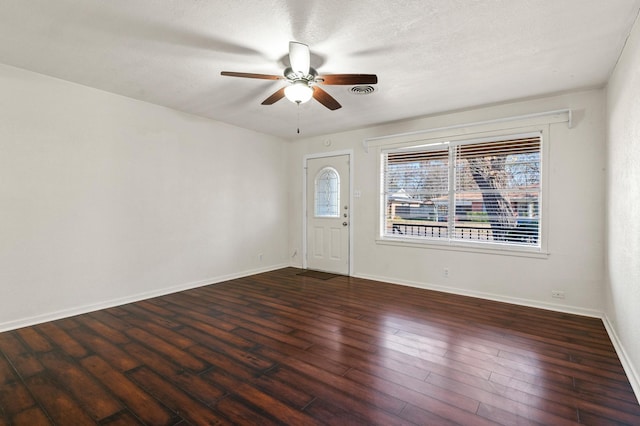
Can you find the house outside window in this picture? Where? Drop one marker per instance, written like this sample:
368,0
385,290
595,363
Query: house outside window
482,192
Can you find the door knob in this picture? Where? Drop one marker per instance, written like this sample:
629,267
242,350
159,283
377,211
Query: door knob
344,223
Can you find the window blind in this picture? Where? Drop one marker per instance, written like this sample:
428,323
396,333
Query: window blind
467,191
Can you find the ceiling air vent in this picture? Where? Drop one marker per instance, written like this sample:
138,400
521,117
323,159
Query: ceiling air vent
362,90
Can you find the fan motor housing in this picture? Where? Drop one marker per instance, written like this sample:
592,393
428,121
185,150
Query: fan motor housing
292,76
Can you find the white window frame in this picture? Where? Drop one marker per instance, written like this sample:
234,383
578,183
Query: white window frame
445,137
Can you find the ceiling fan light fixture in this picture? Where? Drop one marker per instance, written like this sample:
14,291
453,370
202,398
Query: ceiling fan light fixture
299,92
304,83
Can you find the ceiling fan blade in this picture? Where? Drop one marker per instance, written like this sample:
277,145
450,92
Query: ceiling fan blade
299,57
347,79
274,98
251,75
325,99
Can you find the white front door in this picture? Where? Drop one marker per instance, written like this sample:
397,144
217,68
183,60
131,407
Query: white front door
328,214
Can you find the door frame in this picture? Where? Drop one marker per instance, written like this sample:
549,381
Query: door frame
306,158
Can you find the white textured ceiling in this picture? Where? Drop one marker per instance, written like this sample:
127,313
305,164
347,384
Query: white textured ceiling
430,56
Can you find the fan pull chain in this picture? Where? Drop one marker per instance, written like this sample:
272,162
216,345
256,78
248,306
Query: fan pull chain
298,102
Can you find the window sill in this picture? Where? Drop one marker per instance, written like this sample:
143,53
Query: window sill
484,248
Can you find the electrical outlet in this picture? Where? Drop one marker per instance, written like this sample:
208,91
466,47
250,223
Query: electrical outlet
260,257
445,272
557,294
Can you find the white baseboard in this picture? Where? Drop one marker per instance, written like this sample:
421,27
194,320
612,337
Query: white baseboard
65,313
632,374
489,296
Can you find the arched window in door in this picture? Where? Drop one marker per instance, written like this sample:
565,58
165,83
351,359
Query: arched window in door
327,196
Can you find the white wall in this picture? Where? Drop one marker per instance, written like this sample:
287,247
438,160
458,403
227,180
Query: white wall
104,199
622,284
576,214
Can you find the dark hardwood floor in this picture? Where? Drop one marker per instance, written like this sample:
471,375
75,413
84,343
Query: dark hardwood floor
281,348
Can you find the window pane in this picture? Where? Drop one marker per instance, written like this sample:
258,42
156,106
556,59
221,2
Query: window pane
498,191
327,196
417,194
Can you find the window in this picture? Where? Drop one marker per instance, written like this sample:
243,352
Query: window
484,192
327,194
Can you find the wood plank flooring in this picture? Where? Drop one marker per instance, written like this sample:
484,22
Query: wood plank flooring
281,348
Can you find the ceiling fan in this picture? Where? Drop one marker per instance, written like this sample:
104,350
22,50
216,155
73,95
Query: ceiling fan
304,80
